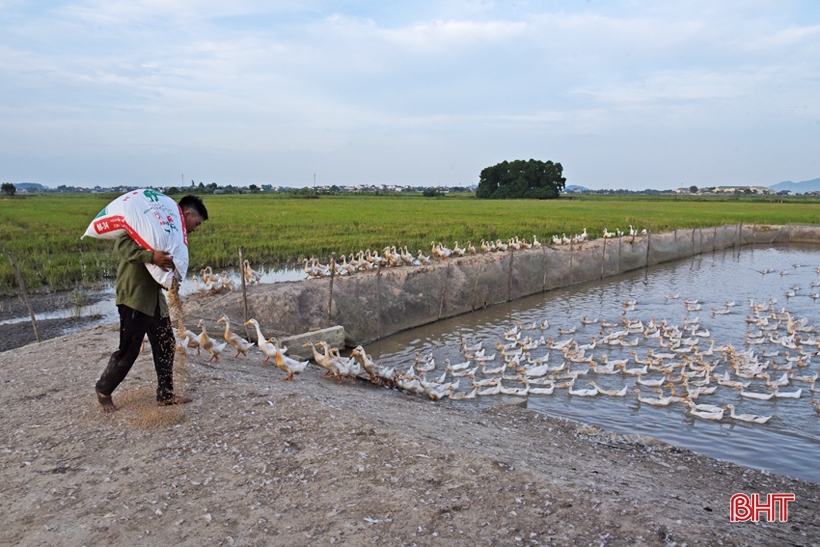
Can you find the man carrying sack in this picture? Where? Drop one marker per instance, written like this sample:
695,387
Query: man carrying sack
143,310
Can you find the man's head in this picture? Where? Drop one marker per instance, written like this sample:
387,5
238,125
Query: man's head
193,211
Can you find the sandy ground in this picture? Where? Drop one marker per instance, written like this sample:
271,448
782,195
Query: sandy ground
257,461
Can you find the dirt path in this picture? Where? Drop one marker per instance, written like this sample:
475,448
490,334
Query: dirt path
256,461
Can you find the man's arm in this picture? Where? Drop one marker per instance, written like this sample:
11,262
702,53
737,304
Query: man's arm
130,251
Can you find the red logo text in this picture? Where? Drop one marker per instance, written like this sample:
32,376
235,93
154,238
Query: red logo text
743,508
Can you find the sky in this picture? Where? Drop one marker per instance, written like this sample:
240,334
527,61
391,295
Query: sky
624,94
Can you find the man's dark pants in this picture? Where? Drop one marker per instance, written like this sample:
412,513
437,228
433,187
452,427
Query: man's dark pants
134,325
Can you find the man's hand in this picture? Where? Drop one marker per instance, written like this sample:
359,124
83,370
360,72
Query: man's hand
164,260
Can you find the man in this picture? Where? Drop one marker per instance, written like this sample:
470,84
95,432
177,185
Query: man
143,310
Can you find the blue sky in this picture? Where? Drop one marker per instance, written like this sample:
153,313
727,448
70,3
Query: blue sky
625,94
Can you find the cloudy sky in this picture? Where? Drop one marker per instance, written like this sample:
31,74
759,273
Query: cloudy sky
625,94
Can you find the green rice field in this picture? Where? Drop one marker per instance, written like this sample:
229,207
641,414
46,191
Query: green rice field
43,231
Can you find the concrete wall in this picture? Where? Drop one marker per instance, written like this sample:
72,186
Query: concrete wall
376,304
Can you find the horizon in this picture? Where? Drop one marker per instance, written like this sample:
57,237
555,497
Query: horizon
625,95
568,188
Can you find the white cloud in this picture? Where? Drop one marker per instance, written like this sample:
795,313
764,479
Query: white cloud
332,84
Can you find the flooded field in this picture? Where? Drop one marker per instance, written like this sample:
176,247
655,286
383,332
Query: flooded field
65,312
100,304
789,443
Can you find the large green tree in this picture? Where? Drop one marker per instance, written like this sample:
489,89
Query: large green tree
521,179
9,188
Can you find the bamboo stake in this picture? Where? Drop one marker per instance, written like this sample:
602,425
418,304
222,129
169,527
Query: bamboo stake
25,295
244,292
379,297
330,297
443,292
648,247
544,282
509,286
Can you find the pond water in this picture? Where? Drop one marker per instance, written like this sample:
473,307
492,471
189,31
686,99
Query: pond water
101,302
788,444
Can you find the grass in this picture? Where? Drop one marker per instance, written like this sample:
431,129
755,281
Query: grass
43,231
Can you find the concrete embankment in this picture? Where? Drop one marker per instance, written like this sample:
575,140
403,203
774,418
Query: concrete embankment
376,304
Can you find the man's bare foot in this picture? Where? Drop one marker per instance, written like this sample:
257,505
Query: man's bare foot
175,400
106,403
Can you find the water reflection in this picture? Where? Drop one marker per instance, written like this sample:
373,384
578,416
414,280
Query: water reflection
788,444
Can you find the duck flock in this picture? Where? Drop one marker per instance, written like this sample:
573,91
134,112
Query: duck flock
393,257
655,362
670,364
213,284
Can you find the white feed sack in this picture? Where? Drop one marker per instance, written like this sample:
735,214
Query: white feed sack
154,221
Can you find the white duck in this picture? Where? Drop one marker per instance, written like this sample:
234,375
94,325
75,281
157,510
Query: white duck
540,389
495,390
458,367
435,390
425,365
703,407
651,383
251,275
484,382
366,362
209,344
189,338
266,347
581,392
755,395
237,342
286,364
659,401
610,392
460,395
747,417
325,361
705,414
517,391
787,394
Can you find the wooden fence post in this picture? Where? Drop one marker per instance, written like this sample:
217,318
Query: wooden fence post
330,297
244,292
509,284
25,295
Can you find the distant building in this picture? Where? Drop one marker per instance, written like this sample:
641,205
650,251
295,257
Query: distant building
761,190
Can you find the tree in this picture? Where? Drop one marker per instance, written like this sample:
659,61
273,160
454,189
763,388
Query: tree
431,193
521,179
693,189
8,188
253,188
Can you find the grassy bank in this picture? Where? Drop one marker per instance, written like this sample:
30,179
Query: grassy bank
44,231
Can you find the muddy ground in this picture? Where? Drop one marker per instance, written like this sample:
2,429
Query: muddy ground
257,461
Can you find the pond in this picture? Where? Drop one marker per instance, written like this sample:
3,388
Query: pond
789,443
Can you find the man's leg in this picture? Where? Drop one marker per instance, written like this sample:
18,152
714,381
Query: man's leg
133,326
162,343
